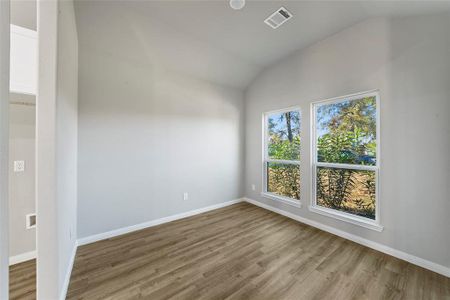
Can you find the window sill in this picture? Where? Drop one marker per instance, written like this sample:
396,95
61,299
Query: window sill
285,200
346,218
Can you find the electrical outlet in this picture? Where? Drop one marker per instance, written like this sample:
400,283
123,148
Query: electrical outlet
185,196
19,166
253,187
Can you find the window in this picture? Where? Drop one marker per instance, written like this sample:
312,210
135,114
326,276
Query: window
346,159
282,156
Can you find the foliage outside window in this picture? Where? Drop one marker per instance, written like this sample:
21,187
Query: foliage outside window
282,154
345,155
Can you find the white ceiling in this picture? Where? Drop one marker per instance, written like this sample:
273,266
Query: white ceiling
23,13
211,41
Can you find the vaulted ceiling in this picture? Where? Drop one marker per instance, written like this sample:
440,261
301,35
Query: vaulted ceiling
209,40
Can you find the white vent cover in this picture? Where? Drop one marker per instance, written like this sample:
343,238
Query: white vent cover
277,18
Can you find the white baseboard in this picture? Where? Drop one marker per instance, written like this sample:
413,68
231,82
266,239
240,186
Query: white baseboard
66,282
357,239
22,257
124,230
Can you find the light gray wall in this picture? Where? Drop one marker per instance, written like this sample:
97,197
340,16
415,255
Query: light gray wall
57,140
66,135
4,149
148,135
22,201
407,59
47,267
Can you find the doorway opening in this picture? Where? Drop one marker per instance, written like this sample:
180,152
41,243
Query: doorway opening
23,220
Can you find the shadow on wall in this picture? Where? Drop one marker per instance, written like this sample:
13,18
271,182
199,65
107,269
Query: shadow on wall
147,136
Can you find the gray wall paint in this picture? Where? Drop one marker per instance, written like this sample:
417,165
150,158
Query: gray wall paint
66,135
4,149
22,201
147,135
407,59
56,146
47,268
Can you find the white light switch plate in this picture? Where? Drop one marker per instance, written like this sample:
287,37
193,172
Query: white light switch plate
19,166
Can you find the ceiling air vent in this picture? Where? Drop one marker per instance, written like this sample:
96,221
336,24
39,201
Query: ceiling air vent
277,18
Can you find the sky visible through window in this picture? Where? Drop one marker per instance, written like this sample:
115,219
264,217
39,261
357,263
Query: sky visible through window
349,129
284,135
283,148
277,123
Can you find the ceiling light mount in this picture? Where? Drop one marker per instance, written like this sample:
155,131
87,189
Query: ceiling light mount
237,4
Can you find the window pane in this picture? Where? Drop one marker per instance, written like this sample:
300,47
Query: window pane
351,191
283,180
284,135
346,132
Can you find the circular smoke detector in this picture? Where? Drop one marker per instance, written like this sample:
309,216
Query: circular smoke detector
237,4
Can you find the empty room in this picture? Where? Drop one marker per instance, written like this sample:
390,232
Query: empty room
224,149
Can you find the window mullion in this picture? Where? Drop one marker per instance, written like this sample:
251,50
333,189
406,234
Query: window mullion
346,166
327,176
283,161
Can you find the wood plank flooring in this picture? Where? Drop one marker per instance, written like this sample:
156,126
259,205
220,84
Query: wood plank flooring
22,281
244,252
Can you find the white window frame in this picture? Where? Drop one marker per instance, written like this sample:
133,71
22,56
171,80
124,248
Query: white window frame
329,212
265,158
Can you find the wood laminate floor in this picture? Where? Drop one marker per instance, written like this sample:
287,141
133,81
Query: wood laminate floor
244,252
22,281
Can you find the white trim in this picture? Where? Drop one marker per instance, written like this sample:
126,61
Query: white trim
349,97
48,281
266,159
66,282
283,161
17,259
285,200
113,233
429,265
346,166
346,217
